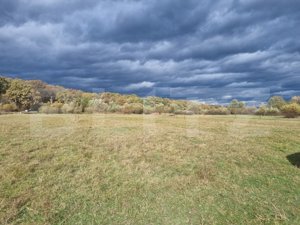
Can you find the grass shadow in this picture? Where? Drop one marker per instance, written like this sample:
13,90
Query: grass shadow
294,159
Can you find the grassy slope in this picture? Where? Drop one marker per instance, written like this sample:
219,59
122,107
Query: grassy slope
134,169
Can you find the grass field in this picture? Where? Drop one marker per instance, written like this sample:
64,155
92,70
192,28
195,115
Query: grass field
152,169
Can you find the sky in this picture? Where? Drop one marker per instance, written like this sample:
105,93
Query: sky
204,50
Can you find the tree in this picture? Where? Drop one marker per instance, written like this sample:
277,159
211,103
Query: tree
262,111
46,92
291,110
193,107
236,106
265,111
276,102
136,108
216,110
3,85
133,99
174,107
22,94
159,108
84,100
296,99
97,105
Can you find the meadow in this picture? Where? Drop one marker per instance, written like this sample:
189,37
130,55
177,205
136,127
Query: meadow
149,169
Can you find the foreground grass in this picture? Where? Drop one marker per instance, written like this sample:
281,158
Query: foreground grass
134,169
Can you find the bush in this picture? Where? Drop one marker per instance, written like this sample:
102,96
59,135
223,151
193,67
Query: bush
174,107
136,108
194,107
68,108
160,108
179,112
97,105
291,110
9,107
148,109
78,109
54,108
113,107
273,112
48,109
296,99
89,110
236,107
276,102
217,111
265,111
262,111
183,112
247,111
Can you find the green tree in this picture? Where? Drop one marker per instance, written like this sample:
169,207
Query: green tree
22,94
276,102
3,85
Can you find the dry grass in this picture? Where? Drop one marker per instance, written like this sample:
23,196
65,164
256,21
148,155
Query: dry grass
135,169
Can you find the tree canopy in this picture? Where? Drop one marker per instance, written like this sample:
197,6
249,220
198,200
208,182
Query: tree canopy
19,95
3,85
276,102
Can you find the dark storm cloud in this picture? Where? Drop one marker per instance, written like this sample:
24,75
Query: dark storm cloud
205,50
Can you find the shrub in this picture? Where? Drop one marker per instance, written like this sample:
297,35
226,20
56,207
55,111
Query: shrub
291,110
136,108
194,107
174,107
47,109
148,109
273,112
113,107
249,110
236,107
9,107
183,112
217,111
262,111
276,102
179,112
159,108
54,108
89,109
295,99
167,109
97,105
57,105
188,112
68,108
78,109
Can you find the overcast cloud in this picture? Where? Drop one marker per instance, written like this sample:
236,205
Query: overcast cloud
204,50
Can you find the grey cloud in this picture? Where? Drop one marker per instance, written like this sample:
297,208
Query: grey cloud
205,50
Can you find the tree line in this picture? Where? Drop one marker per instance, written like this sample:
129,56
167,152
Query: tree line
35,95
